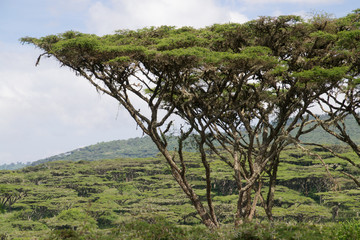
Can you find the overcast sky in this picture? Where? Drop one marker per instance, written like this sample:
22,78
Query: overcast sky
46,110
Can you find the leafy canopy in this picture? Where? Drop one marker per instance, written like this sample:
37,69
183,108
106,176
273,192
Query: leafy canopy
288,48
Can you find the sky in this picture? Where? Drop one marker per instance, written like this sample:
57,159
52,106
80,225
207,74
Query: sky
47,110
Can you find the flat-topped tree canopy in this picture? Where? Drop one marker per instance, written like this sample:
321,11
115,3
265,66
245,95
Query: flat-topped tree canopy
162,48
283,50
237,83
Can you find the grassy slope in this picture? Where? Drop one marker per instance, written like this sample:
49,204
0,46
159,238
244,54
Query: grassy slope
110,192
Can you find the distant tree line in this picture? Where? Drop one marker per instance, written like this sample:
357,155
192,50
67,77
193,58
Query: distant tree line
13,166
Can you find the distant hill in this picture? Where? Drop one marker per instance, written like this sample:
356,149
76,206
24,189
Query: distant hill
131,148
144,147
322,137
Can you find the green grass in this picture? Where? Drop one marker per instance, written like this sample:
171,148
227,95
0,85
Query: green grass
123,194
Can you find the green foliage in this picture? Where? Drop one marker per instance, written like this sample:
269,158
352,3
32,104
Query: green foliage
124,191
325,36
227,44
347,230
349,39
156,229
185,39
74,218
10,194
28,225
65,234
160,229
318,74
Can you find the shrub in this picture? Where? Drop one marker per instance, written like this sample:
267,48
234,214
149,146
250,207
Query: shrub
4,236
64,234
74,218
158,229
281,230
348,230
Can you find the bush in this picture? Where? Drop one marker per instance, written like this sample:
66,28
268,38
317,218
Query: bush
348,230
157,229
160,229
28,225
107,220
281,230
253,231
74,218
4,236
2,209
64,234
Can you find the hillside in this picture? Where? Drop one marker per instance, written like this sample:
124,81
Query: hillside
144,147
107,193
320,136
131,148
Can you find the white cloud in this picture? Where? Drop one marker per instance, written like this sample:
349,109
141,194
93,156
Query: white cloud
123,14
302,14
237,17
46,110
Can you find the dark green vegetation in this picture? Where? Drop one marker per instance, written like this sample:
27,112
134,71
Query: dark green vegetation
138,198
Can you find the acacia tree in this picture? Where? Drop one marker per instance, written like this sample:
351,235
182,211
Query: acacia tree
243,87
133,66
10,194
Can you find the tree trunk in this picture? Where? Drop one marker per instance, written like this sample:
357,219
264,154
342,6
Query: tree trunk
180,178
243,207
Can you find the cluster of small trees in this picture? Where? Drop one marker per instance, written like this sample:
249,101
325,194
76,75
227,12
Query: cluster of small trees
245,91
10,194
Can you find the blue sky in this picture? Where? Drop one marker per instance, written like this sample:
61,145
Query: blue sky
46,110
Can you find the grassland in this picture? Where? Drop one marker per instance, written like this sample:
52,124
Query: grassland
121,198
